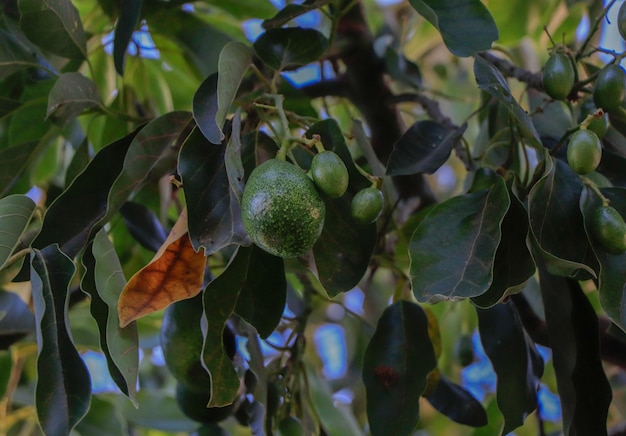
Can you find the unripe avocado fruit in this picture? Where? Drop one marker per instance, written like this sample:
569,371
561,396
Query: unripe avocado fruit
608,229
181,341
610,88
621,20
558,76
281,209
330,174
193,405
584,151
367,205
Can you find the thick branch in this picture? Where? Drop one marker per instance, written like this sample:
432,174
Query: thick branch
534,80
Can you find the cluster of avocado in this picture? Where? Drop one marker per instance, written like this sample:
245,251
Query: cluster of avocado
283,209
584,150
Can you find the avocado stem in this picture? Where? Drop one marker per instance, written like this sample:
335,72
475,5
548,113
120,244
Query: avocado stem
596,190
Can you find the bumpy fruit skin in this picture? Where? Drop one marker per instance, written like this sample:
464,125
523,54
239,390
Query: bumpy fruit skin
282,210
621,21
181,341
330,174
584,151
610,88
609,230
558,76
367,205
193,405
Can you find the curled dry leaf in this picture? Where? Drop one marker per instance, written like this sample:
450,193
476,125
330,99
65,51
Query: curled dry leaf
175,273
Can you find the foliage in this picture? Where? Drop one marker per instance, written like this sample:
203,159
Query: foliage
460,235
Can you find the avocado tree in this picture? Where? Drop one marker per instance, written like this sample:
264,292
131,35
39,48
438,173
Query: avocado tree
319,217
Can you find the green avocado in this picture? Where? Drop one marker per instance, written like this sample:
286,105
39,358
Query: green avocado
281,209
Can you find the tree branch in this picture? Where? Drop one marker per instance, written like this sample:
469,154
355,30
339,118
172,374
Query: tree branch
534,80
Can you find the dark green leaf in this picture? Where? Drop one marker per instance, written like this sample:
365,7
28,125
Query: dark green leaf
213,210
512,354
130,13
291,11
556,222
423,148
289,47
205,108
63,387
572,327
243,9
90,190
104,280
343,250
27,122
261,302
235,58
466,26
220,300
490,80
457,403
513,264
396,364
15,54
402,69
54,25
70,96
16,320
80,160
143,225
6,363
453,249
612,277
8,105
103,419
158,411
16,211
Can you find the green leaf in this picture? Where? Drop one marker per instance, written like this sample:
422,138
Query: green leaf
143,225
63,388
130,12
71,94
490,80
261,302
213,214
612,276
16,211
556,222
80,160
573,333
457,404
15,52
6,363
513,264
16,320
453,249
291,11
423,148
513,356
205,109
242,9
343,250
55,26
396,364
90,190
289,47
158,411
466,26
402,69
103,419
220,300
235,58
104,280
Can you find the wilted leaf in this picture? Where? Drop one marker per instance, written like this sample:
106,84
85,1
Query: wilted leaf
104,280
423,148
286,47
176,272
16,211
556,222
143,225
16,320
396,364
490,80
63,388
510,351
71,94
214,213
54,25
130,12
457,404
235,58
453,249
466,26
572,327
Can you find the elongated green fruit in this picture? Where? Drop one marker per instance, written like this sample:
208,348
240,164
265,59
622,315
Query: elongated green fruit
558,76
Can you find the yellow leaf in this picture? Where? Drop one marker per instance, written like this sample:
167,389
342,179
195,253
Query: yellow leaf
175,273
